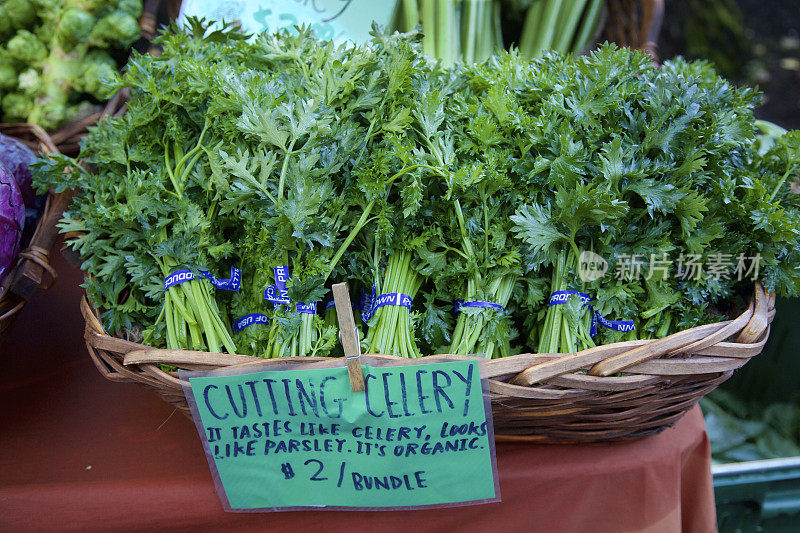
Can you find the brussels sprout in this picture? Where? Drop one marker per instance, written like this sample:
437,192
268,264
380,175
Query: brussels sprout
29,82
5,24
16,107
26,48
47,8
117,29
99,8
20,13
51,115
8,75
97,71
74,27
131,7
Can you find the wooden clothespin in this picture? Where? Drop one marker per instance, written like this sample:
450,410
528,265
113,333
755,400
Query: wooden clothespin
349,336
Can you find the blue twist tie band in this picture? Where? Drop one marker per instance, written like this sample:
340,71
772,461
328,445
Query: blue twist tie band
624,326
365,302
272,295
249,320
562,297
478,304
367,298
278,295
390,298
184,275
281,276
309,308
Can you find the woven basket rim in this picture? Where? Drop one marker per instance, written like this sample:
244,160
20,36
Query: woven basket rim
613,392
700,350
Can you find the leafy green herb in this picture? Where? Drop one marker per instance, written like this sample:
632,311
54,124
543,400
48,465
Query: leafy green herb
375,165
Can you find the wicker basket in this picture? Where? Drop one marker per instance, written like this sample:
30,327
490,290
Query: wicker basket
32,269
620,391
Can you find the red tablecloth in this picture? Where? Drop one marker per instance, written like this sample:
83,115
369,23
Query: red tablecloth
81,453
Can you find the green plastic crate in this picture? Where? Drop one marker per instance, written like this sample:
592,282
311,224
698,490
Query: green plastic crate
758,495
765,495
774,374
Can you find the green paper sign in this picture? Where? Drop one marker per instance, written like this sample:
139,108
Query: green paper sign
337,20
419,436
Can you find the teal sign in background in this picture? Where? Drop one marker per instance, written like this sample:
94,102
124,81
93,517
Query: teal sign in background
338,20
418,436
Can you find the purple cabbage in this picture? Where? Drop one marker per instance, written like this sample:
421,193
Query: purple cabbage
12,219
16,157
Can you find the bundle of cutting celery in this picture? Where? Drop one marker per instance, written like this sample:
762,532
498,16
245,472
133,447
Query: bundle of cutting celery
507,207
473,30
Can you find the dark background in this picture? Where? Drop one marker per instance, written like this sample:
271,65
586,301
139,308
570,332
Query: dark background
751,42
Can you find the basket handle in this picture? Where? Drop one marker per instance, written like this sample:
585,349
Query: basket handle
29,276
349,336
760,320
